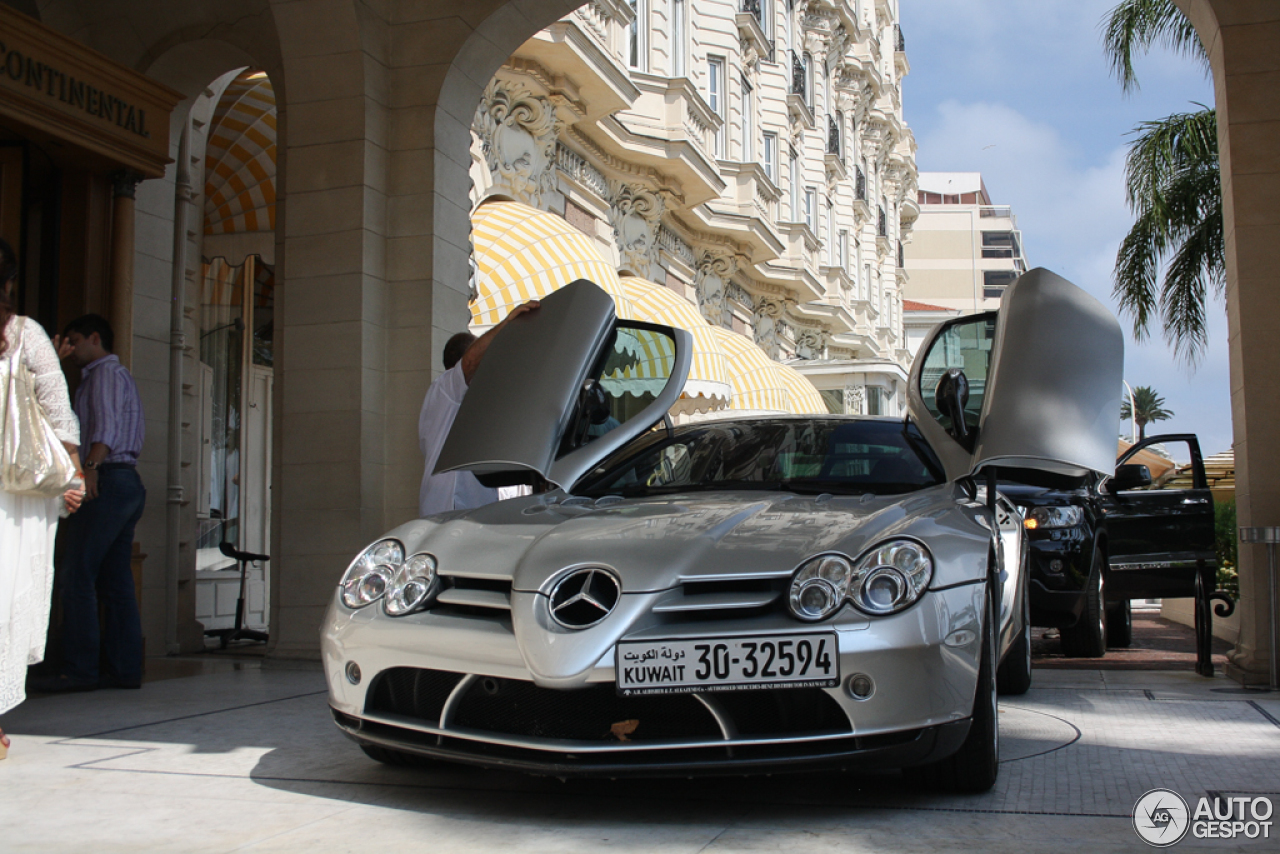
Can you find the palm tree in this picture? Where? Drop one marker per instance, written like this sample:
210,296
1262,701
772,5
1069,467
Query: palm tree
1147,407
1173,187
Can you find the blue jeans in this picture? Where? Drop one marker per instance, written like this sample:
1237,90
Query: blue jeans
98,563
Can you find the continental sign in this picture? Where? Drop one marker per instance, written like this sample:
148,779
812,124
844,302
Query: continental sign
59,87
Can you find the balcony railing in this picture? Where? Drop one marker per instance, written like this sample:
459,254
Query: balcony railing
860,185
901,256
884,223
797,75
753,6
899,42
833,136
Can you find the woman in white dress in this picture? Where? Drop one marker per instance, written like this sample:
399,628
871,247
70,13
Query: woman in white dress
28,524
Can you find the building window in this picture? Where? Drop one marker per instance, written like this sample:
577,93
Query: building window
831,233
806,62
766,21
679,37
715,96
793,185
875,400
833,398
771,156
748,122
844,251
637,33
995,281
999,244
810,208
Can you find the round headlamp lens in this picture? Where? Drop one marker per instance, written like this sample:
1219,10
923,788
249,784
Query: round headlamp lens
369,575
819,587
891,576
412,585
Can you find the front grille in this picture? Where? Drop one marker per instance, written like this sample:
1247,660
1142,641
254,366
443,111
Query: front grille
473,597
727,599
411,692
518,708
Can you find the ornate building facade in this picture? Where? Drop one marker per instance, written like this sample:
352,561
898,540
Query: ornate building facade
749,155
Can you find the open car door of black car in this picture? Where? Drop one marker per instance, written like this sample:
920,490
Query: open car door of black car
1158,531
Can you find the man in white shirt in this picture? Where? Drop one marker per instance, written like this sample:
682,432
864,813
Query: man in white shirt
455,490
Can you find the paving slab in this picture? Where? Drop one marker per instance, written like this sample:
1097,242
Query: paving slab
249,760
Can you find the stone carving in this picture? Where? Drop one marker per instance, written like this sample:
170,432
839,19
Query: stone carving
712,282
767,325
855,400
811,344
636,214
518,132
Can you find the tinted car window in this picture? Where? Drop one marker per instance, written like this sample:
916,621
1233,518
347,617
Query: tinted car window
880,457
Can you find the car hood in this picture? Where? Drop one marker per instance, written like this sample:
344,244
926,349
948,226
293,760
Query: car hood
658,543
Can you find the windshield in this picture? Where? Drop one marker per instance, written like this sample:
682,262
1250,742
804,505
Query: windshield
806,456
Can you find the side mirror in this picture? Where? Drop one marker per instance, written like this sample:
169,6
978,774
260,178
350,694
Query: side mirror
1130,476
951,396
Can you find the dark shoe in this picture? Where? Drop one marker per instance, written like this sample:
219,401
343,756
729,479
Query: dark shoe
114,682
60,684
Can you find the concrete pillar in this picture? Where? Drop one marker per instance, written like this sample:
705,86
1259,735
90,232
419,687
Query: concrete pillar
1241,38
124,184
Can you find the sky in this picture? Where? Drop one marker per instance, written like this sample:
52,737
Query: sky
1020,91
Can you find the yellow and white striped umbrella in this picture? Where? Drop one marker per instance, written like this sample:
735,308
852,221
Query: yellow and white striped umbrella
708,384
522,253
757,385
803,397
240,158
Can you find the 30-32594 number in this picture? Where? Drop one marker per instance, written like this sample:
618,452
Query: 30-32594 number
728,664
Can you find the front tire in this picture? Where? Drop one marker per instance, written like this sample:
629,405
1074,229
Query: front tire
1088,637
1014,674
973,768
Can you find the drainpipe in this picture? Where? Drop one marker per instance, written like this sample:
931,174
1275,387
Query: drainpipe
177,346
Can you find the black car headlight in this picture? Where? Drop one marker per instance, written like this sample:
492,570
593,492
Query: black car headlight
1053,517
370,574
886,579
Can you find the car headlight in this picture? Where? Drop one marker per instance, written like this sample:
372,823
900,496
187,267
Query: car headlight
370,574
412,585
885,580
820,587
1053,517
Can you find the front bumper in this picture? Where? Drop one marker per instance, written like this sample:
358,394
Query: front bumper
458,688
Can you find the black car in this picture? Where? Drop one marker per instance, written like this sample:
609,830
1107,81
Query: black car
1096,543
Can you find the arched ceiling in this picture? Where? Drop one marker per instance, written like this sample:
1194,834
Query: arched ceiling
240,160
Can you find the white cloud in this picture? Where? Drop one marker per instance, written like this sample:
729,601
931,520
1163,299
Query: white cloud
1071,211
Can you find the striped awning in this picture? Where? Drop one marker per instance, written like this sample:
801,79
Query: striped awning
522,253
708,384
803,397
240,158
757,386
641,363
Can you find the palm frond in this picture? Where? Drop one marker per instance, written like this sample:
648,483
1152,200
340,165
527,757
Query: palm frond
1133,26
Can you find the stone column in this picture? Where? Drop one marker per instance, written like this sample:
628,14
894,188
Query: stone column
124,184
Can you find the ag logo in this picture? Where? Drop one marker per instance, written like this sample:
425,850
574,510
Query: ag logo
1161,817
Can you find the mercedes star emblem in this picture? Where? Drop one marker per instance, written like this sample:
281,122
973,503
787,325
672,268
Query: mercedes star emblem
584,597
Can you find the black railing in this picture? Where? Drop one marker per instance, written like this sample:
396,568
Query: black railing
797,75
901,256
833,136
884,223
899,42
753,6
860,185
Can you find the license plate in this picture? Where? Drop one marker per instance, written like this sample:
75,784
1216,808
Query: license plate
743,663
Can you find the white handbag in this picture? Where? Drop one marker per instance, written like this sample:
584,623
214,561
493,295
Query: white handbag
33,461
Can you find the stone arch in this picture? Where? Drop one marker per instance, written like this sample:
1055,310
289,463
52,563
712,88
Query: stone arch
1240,39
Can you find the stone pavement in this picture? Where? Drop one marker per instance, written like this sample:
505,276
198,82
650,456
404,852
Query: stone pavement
249,760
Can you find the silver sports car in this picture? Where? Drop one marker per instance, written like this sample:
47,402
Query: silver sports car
729,596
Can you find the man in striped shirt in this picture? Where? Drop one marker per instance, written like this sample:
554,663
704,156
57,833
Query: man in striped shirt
100,539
